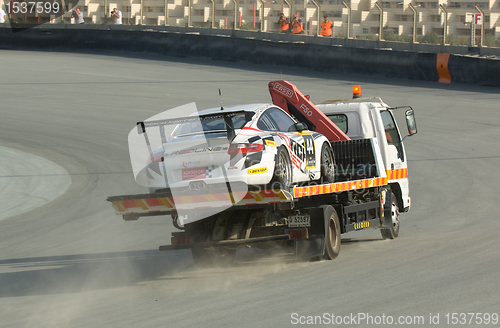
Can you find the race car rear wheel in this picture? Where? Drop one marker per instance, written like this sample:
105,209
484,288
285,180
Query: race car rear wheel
282,177
327,164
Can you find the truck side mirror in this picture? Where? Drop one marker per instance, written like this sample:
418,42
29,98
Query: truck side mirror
410,122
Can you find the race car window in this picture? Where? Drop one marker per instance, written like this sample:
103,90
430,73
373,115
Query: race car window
266,124
208,126
282,120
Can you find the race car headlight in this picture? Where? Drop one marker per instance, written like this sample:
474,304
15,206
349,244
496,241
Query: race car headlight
244,148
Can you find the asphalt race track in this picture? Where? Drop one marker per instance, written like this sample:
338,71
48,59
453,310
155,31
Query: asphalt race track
74,263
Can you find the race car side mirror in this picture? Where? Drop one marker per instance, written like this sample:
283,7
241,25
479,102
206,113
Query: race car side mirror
300,127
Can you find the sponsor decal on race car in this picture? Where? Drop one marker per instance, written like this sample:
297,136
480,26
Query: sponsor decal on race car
310,150
192,163
197,150
270,143
194,173
298,151
257,171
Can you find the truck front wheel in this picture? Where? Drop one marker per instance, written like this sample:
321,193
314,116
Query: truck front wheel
393,232
332,233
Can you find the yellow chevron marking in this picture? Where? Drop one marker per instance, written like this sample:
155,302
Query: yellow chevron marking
140,203
186,199
256,196
281,195
165,202
270,143
118,206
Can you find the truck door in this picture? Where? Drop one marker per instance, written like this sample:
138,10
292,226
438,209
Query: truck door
396,160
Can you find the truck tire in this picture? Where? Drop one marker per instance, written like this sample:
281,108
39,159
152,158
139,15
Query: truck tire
327,164
283,170
393,232
208,257
332,233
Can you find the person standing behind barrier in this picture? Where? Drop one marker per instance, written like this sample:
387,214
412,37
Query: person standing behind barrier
116,15
326,27
297,25
283,23
77,15
3,17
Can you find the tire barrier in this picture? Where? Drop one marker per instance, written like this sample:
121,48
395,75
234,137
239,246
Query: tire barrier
442,68
388,63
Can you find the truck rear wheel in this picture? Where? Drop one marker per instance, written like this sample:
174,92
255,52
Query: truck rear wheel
208,257
393,232
332,233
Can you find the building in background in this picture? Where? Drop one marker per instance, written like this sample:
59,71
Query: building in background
365,18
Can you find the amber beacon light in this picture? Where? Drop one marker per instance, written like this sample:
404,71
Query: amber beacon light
356,91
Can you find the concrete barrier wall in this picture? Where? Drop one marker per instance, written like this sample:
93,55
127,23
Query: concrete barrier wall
279,37
474,70
258,48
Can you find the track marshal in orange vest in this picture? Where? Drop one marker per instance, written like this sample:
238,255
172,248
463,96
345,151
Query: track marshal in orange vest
326,27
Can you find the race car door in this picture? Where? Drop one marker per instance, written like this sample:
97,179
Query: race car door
301,144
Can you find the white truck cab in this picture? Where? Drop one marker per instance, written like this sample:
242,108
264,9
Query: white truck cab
363,118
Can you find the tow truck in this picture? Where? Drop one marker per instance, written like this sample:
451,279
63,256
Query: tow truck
370,189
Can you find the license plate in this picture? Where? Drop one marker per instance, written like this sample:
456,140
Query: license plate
302,220
194,173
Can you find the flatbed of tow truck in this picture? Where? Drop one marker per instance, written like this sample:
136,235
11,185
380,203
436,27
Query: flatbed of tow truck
299,200
166,203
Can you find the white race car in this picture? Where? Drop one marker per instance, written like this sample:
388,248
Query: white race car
256,144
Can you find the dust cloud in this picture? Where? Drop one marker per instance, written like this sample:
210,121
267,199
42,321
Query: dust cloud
62,290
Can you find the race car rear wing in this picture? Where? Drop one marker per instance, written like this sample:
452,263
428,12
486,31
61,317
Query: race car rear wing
226,116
